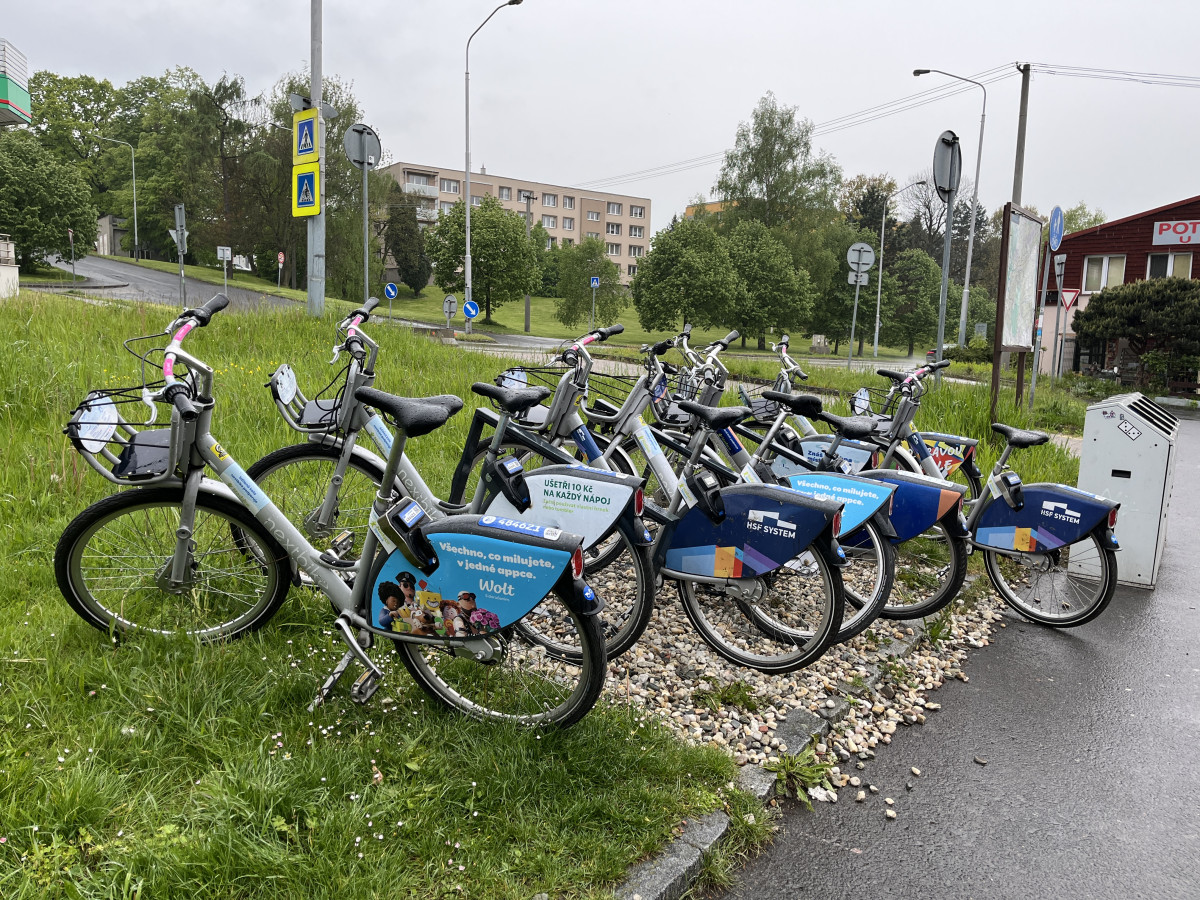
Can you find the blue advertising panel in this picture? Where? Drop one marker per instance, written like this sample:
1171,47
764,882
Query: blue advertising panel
861,497
1052,516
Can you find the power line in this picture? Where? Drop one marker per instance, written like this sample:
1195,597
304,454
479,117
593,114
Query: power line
831,126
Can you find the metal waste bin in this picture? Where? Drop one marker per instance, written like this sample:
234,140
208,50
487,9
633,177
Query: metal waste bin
1128,455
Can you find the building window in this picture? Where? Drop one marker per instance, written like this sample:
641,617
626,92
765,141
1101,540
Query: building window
550,242
612,228
594,234
593,215
632,271
568,202
636,250
568,223
613,249
1175,265
1100,272
549,199
505,193
523,195
449,186
637,212
637,231
447,206
614,209
476,200
549,221
567,242
413,178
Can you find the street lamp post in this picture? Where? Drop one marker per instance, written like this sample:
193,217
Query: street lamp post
966,296
133,160
879,281
467,167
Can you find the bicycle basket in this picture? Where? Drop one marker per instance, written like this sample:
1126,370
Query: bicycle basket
537,376
115,448
668,393
320,416
764,410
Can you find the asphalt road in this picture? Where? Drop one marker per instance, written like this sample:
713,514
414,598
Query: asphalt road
139,283
1092,783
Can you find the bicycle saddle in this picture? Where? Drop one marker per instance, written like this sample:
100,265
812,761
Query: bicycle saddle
514,400
891,373
1018,437
853,428
715,417
801,404
414,416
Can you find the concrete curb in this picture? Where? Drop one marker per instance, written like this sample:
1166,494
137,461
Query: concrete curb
670,874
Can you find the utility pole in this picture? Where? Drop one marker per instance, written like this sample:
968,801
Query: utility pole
1019,167
528,232
316,224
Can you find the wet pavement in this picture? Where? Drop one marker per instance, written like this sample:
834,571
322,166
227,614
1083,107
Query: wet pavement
111,278
1091,738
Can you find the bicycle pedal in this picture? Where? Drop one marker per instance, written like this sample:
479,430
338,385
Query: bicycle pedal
331,682
364,686
343,542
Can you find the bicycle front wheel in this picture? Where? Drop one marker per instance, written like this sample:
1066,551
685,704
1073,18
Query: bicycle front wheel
297,477
1063,588
113,565
787,627
511,677
930,569
868,579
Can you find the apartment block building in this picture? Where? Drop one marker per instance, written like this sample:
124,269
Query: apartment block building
568,214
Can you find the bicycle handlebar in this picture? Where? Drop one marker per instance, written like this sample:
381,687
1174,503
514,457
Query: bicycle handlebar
177,394
203,314
366,309
727,340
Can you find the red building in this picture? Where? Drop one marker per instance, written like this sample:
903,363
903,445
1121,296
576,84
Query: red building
1152,244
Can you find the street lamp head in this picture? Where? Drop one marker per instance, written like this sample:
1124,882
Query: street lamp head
514,2
920,72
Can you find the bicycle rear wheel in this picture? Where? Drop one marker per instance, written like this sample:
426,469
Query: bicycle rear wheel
112,564
1063,588
787,628
520,680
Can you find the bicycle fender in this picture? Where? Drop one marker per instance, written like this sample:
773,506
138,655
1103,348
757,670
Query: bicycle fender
862,498
1053,516
579,499
359,452
215,488
764,527
501,567
919,501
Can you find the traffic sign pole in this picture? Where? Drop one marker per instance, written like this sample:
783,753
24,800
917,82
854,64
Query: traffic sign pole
595,281
860,258
1037,339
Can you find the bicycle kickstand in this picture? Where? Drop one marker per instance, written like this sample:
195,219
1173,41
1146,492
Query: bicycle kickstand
366,684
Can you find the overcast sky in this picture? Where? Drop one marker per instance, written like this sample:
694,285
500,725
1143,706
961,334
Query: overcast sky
568,91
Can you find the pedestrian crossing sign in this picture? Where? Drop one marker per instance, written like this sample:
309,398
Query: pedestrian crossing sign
306,143
306,189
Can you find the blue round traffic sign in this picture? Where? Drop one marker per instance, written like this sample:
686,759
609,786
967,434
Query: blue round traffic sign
470,309
1057,224
390,291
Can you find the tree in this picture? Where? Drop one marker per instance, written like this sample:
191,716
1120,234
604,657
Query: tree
861,198
576,266
1160,314
405,241
775,295
686,277
503,264
911,315
1079,217
40,198
772,174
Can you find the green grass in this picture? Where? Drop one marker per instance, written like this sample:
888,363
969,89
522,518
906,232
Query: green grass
158,768
45,274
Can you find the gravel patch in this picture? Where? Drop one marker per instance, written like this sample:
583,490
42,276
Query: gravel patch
854,698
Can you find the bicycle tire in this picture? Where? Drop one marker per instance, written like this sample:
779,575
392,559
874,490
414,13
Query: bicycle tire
780,632
930,569
287,476
1076,597
112,594
556,691
867,579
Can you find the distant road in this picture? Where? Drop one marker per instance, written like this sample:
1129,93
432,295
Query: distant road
134,282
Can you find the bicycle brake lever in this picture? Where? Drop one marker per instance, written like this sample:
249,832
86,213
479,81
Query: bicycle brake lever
337,351
147,398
